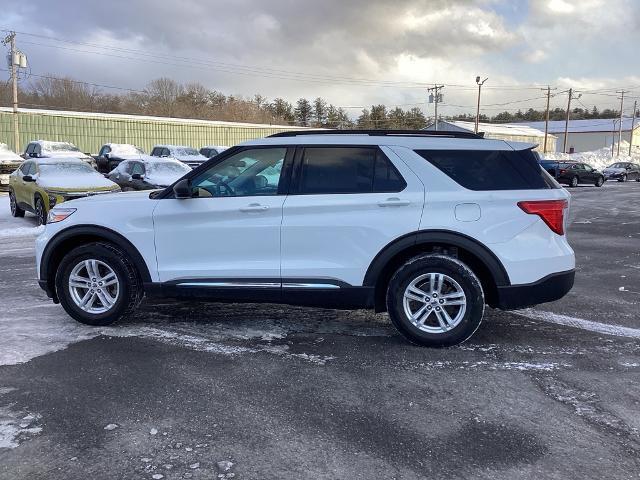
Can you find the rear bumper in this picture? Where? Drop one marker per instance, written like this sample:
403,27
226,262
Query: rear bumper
547,289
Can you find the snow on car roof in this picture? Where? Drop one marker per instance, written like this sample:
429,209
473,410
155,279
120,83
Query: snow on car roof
57,160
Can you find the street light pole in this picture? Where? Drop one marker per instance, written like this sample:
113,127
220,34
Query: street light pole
478,108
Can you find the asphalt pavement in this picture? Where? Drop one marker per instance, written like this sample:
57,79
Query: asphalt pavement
205,391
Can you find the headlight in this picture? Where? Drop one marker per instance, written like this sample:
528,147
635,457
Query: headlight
59,214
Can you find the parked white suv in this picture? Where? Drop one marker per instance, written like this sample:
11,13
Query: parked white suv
429,226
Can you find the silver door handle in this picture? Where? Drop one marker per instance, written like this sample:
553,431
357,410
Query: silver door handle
393,202
254,207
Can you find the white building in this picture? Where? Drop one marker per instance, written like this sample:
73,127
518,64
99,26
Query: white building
501,131
588,135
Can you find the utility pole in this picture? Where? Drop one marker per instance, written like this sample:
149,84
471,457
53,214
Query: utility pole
633,124
621,92
566,123
478,108
435,98
11,40
546,118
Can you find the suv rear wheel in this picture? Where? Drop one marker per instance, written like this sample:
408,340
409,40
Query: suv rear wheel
97,284
435,300
16,211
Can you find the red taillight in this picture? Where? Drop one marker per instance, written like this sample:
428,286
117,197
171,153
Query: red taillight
562,170
550,211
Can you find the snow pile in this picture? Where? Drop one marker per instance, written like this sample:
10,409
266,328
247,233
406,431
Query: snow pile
598,159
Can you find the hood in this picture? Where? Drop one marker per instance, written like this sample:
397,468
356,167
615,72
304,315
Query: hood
69,154
10,157
124,198
134,156
75,182
190,158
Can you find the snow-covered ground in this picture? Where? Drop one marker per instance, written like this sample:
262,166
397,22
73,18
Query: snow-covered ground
598,159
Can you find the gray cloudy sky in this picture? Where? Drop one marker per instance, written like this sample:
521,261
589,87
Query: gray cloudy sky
352,52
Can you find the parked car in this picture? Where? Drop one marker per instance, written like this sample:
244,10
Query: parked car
573,173
9,162
622,171
148,174
335,219
211,151
184,154
49,149
111,154
41,183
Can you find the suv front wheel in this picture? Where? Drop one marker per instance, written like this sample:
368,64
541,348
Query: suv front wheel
435,300
97,284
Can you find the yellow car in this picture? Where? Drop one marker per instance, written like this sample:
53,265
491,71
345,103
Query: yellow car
40,183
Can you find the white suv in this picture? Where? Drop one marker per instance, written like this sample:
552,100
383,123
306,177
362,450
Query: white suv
429,226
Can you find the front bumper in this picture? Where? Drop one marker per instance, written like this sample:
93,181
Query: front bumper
550,288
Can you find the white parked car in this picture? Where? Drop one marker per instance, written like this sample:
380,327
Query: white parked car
147,173
49,149
429,226
9,162
185,154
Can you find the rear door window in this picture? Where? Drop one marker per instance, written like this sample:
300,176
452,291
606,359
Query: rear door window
489,169
335,170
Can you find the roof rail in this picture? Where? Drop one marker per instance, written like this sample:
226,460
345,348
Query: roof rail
380,133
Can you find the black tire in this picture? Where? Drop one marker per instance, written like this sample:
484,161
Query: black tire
623,178
638,178
423,265
130,285
600,182
573,182
41,211
16,211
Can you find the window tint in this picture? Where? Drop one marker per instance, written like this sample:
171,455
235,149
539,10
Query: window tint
247,173
489,170
337,170
25,168
327,170
386,177
32,169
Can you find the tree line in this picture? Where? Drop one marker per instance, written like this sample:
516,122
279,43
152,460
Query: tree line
165,97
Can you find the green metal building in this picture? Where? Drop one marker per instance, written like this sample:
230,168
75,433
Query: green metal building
89,131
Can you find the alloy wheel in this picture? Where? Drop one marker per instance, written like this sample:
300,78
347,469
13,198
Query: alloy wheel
434,303
12,203
94,286
40,213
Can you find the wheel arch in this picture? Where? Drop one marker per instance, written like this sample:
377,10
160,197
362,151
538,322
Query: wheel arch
66,240
478,257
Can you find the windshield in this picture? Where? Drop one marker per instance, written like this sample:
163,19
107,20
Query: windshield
185,152
125,149
618,165
166,168
59,147
65,168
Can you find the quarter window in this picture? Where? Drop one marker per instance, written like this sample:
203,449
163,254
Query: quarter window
347,170
489,169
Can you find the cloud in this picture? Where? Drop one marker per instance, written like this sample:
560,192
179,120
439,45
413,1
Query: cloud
311,48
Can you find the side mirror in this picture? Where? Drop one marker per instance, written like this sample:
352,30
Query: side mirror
106,175
106,155
182,189
136,176
28,178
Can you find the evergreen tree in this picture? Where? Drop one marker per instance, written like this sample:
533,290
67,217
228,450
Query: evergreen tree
303,112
